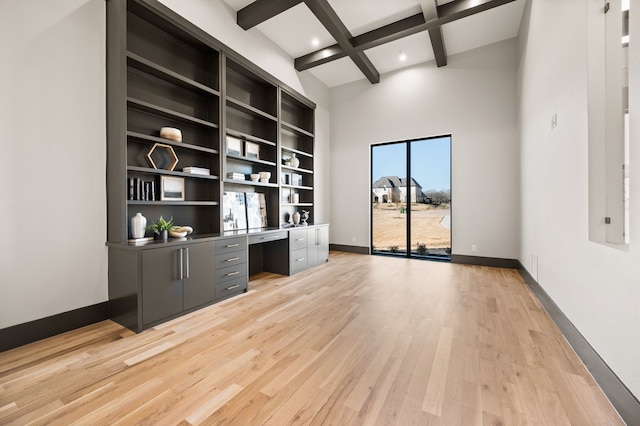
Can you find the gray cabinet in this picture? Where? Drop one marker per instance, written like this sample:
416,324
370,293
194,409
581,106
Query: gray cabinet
318,245
231,270
308,247
176,279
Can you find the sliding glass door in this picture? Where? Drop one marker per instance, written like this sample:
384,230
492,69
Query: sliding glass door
411,198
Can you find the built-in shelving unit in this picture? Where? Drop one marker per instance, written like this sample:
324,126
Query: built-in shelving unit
165,72
235,120
296,140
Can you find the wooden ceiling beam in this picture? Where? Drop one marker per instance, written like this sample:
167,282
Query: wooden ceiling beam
330,20
446,13
260,10
430,13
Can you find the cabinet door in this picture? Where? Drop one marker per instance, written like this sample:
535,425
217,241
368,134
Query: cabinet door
322,242
161,284
312,246
199,273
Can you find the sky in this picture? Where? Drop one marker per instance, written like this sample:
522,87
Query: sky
430,162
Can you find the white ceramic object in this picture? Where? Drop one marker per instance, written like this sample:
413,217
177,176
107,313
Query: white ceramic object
138,225
171,133
186,229
178,234
255,177
296,218
265,176
295,162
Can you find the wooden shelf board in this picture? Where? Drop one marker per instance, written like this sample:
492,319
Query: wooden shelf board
170,173
250,183
251,160
249,109
249,137
298,169
156,139
149,107
159,71
297,151
308,188
296,129
297,204
172,203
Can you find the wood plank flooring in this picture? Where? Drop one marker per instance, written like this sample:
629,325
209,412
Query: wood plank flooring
362,340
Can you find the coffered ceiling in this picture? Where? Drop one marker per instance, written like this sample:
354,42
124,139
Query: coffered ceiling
340,41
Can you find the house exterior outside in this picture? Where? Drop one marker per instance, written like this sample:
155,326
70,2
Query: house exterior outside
392,189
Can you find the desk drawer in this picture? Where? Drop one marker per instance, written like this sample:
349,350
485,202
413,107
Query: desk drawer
266,237
298,260
297,239
230,288
230,259
228,245
231,273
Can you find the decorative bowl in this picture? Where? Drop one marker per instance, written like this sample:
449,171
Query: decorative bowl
265,176
255,177
171,133
178,234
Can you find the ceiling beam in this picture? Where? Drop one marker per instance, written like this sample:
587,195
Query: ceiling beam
430,13
260,10
448,12
328,17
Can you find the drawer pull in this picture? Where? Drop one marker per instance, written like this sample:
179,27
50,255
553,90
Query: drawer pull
232,287
300,239
233,273
232,245
270,237
233,259
300,260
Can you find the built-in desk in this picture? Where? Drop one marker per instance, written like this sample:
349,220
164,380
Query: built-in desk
152,282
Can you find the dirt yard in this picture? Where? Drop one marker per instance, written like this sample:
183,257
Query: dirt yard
389,226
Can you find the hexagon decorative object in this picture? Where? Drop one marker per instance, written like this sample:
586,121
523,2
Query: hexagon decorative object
162,156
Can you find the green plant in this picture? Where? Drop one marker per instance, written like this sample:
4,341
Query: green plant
161,225
421,248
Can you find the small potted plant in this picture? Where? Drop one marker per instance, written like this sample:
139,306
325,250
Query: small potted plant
286,160
161,228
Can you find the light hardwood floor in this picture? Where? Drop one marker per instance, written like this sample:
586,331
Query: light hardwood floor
360,340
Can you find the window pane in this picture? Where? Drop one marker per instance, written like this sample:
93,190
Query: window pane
389,218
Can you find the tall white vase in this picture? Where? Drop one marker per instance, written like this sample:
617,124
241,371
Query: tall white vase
138,225
295,162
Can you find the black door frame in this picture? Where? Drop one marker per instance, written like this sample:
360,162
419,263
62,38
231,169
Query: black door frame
407,143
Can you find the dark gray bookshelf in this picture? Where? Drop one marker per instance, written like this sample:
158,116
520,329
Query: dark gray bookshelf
163,71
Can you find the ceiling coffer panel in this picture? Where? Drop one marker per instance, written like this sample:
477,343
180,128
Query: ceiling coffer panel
353,29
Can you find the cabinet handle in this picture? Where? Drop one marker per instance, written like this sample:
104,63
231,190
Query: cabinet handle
233,273
300,260
299,239
232,259
232,287
270,237
187,251
181,263
318,237
232,245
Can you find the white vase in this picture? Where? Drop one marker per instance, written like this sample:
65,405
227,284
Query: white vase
295,162
138,225
296,218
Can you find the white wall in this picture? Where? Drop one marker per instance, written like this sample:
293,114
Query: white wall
52,114
596,286
52,108
473,98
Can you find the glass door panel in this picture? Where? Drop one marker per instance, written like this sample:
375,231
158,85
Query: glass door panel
431,197
388,198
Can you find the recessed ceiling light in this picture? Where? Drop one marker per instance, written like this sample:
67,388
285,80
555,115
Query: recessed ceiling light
315,42
402,56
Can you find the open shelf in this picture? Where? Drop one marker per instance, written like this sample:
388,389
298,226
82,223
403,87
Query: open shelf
170,173
155,139
148,107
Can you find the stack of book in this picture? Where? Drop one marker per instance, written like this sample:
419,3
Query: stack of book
236,176
141,190
196,170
